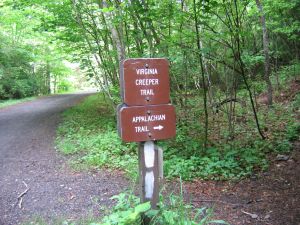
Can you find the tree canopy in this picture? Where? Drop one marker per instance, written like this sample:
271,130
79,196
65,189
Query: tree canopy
225,52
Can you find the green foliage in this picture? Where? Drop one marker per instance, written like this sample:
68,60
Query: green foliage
4,103
283,146
99,35
127,211
176,212
30,60
64,86
168,30
89,134
296,103
287,73
38,220
89,129
225,164
16,80
293,131
172,211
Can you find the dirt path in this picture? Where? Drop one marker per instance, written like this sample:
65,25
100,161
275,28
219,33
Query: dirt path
269,198
27,156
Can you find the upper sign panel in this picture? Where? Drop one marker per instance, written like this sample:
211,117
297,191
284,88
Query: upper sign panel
145,82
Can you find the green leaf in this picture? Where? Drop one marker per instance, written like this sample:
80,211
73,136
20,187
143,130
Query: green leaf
218,222
109,9
142,207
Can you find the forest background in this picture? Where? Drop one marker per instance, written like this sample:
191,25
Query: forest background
234,70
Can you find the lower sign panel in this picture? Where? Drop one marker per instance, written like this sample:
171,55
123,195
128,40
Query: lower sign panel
144,123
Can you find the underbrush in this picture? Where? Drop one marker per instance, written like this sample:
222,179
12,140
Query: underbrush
89,135
4,103
128,210
232,156
171,211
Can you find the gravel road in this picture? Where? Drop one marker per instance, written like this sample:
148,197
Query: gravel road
28,157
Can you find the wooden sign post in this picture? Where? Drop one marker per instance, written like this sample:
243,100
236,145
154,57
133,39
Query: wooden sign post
146,116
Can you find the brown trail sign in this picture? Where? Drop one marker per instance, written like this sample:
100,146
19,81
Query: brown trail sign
145,123
145,82
146,116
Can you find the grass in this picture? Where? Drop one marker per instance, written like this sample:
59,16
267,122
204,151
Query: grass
39,220
5,103
227,159
128,210
172,210
89,134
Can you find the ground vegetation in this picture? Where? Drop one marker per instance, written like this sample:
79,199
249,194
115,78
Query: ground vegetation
234,71
31,60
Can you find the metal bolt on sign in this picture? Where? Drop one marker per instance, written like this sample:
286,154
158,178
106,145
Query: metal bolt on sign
146,116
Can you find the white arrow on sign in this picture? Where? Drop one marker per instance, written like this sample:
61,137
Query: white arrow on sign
159,127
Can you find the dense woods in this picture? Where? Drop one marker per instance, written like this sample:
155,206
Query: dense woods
229,59
235,81
230,63
30,58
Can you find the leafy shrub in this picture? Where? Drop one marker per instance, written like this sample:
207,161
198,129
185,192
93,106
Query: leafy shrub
89,133
296,102
128,211
216,164
290,71
293,131
64,86
3,94
4,103
283,146
171,211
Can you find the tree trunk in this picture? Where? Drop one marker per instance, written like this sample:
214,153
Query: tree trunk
200,57
117,35
48,79
266,51
238,57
